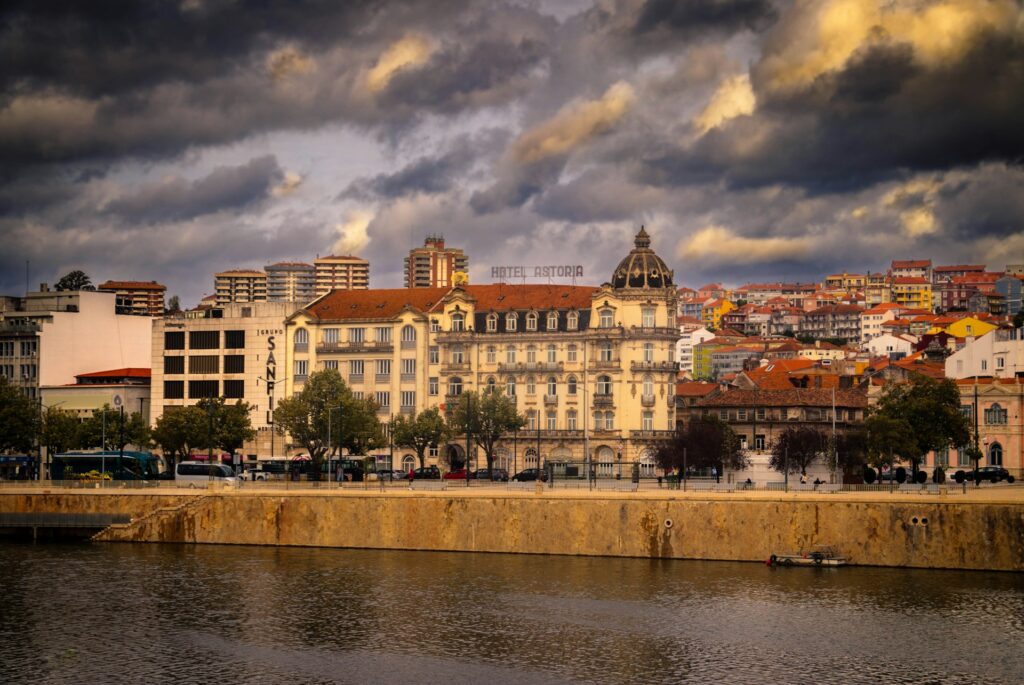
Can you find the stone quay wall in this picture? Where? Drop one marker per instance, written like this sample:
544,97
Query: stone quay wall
912,531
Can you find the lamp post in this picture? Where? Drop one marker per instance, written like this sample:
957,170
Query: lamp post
270,412
330,444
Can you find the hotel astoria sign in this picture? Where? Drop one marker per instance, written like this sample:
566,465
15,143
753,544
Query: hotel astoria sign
549,271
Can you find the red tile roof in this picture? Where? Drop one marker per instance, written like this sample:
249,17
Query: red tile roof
909,280
695,388
959,267
131,285
911,263
129,372
339,305
503,296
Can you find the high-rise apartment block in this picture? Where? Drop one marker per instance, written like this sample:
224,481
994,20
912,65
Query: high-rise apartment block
240,285
433,265
291,282
341,273
141,298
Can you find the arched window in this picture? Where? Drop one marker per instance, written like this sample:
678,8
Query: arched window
531,321
301,337
531,385
408,462
604,385
492,323
552,386
510,354
492,354
570,384
648,386
531,458
572,321
510,386
995,415
552,321
458,321
490,385
604,351
511,321
458,354
455,386
531,354
408,334
607,318
995,454
552,354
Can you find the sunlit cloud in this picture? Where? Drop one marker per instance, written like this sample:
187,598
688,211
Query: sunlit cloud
352,235
288,61
717,244
734,98
409,52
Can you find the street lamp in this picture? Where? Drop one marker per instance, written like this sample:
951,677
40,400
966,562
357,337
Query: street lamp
330,444
270,412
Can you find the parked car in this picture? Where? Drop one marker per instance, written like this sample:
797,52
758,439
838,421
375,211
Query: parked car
994,474
493,474
426,472
531,475
457,474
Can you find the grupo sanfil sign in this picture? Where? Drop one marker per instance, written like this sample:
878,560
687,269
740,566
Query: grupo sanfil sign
553,271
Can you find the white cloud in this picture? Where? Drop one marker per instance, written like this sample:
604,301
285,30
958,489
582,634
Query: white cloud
353,236
720,244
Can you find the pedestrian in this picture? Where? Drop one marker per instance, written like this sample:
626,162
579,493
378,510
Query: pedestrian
803,479
714,473
412,474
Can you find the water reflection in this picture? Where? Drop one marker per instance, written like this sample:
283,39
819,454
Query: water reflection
176,613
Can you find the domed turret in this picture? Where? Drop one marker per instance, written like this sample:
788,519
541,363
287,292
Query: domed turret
642,268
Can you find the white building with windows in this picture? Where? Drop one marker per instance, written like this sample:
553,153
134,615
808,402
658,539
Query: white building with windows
999,353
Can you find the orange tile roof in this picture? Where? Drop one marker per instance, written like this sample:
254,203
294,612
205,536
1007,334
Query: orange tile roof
339,305
504,296
128,372
131,285
909,280
680,320
695,388
911,263
959,267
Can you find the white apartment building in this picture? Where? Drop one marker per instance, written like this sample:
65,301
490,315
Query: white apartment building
341,273
689,337
999,353
291,282
50,337
240,285
889,345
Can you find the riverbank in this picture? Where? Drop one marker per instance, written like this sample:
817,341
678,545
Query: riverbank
980,530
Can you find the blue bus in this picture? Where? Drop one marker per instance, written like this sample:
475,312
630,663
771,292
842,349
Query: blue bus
130,466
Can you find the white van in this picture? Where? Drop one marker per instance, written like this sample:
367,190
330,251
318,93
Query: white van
198,474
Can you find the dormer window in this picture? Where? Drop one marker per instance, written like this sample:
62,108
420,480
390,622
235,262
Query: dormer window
511,321
606,318
552,321
458,322
531,321
572,321
492,323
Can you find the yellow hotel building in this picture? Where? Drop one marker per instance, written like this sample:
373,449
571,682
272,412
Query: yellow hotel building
591,368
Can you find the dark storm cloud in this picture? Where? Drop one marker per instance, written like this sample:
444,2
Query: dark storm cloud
424,175
689,18
877,118
225,188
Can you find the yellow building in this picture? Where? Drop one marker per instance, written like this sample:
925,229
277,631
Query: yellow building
712,312
963,328
592,369
912,292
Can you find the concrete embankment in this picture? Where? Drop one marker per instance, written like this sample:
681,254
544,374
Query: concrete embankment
962,532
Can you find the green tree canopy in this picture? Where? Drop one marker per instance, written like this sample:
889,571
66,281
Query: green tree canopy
326,400
173,305
180,430
19,419
59,431
708,442
799,447
487,418
930,409
232,426
427,429
889,440
103,430
74,280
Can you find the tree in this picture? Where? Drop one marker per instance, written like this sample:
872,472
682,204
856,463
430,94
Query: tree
487,418
180,430
851,449
427,429
59,430
888,440
325,405
1018,319
232,426
173,305
797,448
74,280
930,410
18,419
103,429
705,442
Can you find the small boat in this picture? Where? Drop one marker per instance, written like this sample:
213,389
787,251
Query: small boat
820,555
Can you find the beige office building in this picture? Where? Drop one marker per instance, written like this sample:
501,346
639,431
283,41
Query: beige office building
341,273
434,265
240,285
592,368
141,298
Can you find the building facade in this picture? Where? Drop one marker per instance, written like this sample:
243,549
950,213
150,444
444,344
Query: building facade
340,273
434,265
998,353
240,285
841,321
592,369
235,351
290,282
141,298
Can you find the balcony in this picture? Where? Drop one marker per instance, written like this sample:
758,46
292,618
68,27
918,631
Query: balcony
512,367
408,411
301,347
408,344
651,435
353,347
355,379
604,400
453,367
606,364
647,400
301,377
454,336
551,399
667,367
408,377
384,409
382,378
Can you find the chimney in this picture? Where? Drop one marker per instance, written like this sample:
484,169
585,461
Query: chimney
44,287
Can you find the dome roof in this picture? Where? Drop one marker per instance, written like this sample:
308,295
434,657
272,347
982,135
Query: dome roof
642,268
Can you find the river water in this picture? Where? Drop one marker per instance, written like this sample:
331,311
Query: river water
108,613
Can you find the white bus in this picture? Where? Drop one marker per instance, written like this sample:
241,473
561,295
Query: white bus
195,474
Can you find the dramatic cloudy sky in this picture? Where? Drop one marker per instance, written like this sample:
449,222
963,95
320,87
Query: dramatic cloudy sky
756,139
